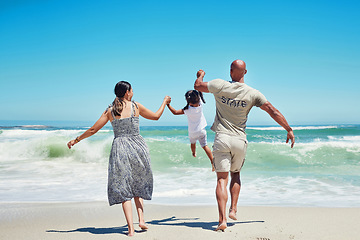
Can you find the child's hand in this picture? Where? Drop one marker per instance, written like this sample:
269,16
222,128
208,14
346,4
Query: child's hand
200,73
167,100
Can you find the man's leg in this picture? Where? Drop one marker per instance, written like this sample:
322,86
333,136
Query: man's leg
221,197
235,186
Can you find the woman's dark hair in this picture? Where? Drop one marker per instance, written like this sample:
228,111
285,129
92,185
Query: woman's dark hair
193,97
118,104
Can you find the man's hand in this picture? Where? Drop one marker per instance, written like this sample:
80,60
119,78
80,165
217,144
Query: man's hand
290,136
199,84
200,73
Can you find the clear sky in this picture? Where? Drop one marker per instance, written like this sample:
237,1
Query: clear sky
60,59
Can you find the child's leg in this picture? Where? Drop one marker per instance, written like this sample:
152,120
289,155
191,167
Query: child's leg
203,143
139,202
210,156
193,149
128,215
192,138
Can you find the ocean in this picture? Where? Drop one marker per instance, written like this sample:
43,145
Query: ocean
322,170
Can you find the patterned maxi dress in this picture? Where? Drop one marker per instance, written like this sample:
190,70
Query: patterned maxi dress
130,173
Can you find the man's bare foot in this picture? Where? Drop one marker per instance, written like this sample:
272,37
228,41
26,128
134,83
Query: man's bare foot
232,214
143,226
221,227
194,154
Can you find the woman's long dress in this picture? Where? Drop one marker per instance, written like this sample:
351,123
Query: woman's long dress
130,173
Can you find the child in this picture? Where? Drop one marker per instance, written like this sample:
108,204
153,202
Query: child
196,121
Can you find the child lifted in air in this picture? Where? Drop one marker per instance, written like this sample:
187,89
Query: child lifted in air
196,121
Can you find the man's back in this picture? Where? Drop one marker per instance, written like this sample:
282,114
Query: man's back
234,101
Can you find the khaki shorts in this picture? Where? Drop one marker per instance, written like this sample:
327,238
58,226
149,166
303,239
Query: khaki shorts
229,153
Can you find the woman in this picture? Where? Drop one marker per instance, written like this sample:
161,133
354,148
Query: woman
130,175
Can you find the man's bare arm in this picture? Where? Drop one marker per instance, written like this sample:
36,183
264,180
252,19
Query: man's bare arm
199,84
280,119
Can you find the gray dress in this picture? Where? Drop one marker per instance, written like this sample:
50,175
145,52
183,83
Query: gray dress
130,173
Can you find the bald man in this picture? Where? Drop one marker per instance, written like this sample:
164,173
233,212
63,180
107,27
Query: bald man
234,101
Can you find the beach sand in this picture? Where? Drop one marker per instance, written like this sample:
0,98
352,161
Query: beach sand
96,220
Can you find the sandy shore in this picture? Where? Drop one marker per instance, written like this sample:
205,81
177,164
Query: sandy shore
96,220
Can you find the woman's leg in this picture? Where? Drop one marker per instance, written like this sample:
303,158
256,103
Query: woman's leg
139,202
129,218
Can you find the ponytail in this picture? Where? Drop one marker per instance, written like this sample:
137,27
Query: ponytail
118,104
202,97
193,97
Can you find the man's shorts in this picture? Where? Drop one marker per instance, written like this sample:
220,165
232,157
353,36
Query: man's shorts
229,153
198,136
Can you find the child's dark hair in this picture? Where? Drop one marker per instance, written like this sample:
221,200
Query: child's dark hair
193,97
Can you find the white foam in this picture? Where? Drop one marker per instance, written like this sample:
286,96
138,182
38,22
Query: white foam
34,126
80,174
345,138
294,128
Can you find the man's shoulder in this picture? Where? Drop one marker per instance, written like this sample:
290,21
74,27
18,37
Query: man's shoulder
217,80
250,88
216,85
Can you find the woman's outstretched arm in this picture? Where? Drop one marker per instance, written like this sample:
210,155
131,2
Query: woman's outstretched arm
91,131
148,114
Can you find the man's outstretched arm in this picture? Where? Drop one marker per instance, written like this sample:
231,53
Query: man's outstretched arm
199,84
280,119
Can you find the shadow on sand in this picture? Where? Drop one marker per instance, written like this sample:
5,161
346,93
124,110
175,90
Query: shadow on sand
192,223
172,221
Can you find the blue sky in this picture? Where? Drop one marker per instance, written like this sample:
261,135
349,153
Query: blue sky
60,60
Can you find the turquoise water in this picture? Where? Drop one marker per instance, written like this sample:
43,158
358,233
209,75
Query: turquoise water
323,169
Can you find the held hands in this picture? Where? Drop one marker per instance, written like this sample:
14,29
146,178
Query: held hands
167,100
200,73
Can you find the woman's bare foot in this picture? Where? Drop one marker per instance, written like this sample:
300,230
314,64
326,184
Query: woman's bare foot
232,214
131,233
221,227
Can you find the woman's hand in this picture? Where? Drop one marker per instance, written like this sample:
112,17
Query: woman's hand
167,100
71,143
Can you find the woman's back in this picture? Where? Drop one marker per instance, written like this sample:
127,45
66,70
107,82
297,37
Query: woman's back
128,123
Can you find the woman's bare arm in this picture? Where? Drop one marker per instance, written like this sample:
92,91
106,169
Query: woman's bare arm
91,131
148,114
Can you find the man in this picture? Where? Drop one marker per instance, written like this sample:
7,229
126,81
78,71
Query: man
234,101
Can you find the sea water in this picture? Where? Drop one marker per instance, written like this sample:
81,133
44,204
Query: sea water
323,169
